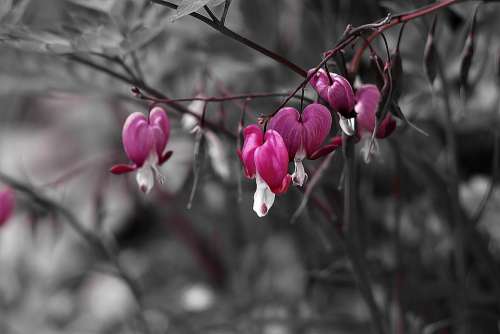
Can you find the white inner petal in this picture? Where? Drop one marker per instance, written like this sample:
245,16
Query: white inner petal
348,125
299,176
263,198
145,178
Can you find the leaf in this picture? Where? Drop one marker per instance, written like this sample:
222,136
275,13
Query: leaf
430,54
468,52
190,6
199,155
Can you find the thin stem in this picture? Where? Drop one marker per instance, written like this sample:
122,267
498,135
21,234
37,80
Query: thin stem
211,14
237,37
225,11
248,96
395,20
143,86
351,231
456,214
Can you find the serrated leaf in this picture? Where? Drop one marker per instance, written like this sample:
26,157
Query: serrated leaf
190,6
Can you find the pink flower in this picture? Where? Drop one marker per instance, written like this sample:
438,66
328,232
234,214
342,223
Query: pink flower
368,99
7,203
144,140
336,90
265,158
302,134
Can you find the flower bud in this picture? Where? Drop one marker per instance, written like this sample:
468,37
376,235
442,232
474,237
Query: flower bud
335,89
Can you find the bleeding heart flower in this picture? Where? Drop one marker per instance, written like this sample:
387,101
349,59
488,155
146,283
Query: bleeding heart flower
144,140
368,99
7,203
302,134
335,89
265,157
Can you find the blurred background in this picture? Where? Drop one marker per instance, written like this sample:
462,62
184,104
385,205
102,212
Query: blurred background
66,70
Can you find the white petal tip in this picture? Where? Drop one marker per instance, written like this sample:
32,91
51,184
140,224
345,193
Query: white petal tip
263,198
145,179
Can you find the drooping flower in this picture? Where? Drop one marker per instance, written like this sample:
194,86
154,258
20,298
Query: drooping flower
265,158
367,102
7,203
336,90
144,141
302,134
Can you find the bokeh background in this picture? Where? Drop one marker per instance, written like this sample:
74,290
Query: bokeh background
217,267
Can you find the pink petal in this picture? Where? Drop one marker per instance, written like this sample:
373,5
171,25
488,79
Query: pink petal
137,138
7,204
271,161
159,122
387,127
253,138
285,184
335,143
165,157
287,123
319,81
368,98
317,122
340,95
142,136
122,169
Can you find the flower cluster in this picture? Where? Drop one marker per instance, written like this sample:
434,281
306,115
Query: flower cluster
357,110
291,136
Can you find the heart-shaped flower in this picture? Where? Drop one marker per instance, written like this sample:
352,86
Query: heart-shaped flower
265,158
302,134
7,203
368,99
144,141
335,89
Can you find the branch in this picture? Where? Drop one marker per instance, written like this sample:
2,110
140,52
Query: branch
398,19
248,96
145,87
237,37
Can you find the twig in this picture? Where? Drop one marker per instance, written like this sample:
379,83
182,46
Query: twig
248,96
456,214
237,37
225,11
143,86
398,19
211,14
